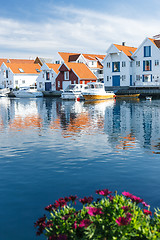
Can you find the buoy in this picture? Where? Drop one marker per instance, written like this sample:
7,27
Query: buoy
78,99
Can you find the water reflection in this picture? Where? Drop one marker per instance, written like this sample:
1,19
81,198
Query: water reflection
127,124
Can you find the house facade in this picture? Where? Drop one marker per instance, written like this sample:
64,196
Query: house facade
118,66
46,79
93,61
18,75
146,68
73,73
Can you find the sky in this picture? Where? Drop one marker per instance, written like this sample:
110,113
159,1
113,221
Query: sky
43,28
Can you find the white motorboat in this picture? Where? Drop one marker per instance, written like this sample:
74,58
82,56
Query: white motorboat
27,92
74,91
4,92
96,91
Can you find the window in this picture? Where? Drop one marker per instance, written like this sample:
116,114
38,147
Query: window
6,73
100,71
23,81
59,84
107,78
108,65
138,77
21,70
147,78
156,62
115,66
16,82
147,51
66,75
47,76
123,64
130,64
137,63
147,65
38,71
123,77
40,84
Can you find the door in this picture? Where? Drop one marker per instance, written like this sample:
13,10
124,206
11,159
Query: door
65,84
48,86
130,80
116,80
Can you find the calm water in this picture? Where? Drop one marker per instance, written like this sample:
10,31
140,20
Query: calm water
52,148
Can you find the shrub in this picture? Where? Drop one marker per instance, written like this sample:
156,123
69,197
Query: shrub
111,217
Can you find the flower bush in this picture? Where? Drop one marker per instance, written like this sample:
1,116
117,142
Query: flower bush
110,217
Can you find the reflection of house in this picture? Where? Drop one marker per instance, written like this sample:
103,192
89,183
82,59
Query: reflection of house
93,61
147,63
46,79
118,66
19,74
73,73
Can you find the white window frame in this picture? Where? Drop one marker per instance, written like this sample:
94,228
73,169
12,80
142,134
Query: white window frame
137,63
66,75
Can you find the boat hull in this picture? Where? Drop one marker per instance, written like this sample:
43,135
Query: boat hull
98,97
28,95
70,96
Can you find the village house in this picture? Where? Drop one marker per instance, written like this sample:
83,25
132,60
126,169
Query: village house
46,79
118,66
146,68
93,61
73,73
19,74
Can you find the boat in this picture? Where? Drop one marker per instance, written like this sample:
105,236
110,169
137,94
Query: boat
4,92
74,92
149,98
27,92
128,95
96,91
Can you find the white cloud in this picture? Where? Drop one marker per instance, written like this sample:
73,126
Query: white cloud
76,30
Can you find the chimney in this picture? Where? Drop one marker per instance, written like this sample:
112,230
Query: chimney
123,44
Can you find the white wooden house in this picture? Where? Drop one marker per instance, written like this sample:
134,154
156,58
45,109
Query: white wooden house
146,68
46,79
19,74
117,66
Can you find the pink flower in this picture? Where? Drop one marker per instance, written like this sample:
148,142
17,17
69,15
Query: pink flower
147,212
103,192
94,211
111,198
136,199
125,208
86,200
145,204
75,225
121,221
132,197
127,194
85,223
49,208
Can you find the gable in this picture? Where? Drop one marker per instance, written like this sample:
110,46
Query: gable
63,68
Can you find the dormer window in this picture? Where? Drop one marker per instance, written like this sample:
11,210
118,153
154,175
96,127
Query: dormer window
147,51
38,71
66,75
21,70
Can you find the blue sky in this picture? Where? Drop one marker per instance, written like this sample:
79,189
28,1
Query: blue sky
42,28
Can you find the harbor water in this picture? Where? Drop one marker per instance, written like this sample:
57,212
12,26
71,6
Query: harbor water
50,148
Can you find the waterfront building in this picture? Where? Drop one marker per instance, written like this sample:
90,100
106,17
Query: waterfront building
146,68
73,73
46,79
117,66
93,61
19,74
